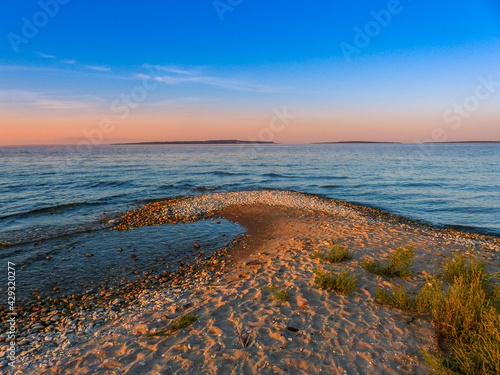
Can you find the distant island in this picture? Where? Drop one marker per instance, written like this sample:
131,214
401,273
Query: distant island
327,143
210,142
467,142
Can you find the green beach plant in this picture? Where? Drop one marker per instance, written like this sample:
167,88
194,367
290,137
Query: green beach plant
398,265
397,297
278,294
343,283
336,254
466,316
461,267
468,319
183,321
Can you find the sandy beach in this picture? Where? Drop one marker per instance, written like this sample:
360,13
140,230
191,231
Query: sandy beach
240,330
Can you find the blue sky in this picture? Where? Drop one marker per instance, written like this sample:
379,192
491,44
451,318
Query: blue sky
224,68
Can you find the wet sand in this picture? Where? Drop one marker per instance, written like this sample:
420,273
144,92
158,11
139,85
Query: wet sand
336,334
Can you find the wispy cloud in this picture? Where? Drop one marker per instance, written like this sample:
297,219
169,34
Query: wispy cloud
181,102
75,140
179,76
46,56
61,104
98,68
70,62
171,69
40,100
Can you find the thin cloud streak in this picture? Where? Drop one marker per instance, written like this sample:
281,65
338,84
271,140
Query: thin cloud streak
38,100
46,56
180,102
98,68
170,69
180,76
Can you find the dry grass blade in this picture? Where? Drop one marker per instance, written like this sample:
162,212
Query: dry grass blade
343,283
336,254
244,337
399,264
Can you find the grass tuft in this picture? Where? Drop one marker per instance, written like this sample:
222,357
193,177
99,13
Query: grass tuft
336,254
183,321
278,294
467,269
398,265
397,297
343,283
466,314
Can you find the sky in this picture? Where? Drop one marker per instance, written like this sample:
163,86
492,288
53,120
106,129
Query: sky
76,71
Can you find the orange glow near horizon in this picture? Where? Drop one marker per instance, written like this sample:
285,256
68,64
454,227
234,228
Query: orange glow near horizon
304,128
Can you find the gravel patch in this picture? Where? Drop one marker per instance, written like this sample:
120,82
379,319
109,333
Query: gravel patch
209,203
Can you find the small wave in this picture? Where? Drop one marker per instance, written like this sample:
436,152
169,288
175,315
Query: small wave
206,188
110,184
327,177
421,184
223,173
48,210
25,237
331,186
473,229
277,175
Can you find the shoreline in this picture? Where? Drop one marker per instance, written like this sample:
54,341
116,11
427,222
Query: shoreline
273,232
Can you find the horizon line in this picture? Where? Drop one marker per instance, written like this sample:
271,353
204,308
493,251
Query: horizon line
240,142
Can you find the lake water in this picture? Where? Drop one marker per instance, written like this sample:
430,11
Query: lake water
59,193
47,190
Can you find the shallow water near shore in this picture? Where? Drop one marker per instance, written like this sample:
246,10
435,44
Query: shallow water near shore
75,264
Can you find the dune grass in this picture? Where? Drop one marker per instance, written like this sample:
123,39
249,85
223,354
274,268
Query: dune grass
183,321
465,312
397,297
398,265
464,267
343,283
336,254
467,317
278,294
